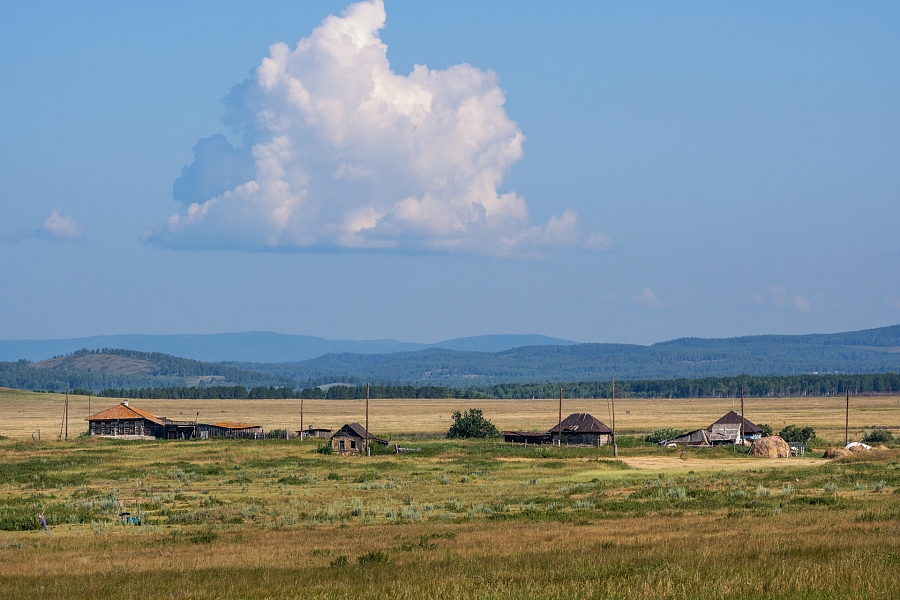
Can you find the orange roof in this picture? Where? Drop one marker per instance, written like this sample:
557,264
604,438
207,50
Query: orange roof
233,425
123,411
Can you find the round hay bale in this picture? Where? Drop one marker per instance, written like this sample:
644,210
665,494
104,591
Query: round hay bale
858,448
770,447
832,452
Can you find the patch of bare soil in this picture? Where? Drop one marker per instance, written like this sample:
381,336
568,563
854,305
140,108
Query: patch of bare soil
676,463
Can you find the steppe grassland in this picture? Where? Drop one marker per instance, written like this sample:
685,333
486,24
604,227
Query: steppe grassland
22,413
262,519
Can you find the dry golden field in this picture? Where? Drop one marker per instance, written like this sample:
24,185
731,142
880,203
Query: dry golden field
23,413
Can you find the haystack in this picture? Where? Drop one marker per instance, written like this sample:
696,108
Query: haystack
833,452
770,447
859,448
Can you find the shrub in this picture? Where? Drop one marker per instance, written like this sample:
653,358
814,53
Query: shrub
662,433
878,436
471,424
767,429
792,433
375,557
325,449
340,561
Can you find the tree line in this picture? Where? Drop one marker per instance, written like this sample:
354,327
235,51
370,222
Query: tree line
710,387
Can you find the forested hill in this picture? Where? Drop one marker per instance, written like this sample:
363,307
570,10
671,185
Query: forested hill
113,368
870,351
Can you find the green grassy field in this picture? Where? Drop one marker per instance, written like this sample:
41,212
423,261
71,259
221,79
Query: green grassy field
275,519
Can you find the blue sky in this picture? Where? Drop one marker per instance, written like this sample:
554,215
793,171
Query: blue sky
657,170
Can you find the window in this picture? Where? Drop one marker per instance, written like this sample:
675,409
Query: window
352,445
341,444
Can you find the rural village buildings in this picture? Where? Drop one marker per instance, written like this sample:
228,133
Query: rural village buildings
726,430
578,429
129,422
351,438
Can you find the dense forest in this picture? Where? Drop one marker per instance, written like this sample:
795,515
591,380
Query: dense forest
710,387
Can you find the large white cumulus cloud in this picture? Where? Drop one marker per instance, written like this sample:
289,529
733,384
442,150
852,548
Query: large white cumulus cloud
341,152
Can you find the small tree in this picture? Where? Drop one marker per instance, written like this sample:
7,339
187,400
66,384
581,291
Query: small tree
767,429
792,433
472,424
663,433
878,436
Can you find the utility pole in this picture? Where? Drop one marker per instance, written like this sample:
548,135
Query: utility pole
847,421
559,426
66,413
742,415
368,435
301,418
612,396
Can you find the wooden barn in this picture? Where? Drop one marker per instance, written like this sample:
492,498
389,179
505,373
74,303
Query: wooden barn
526,437
727,430
350,439
230,429
127,422
580,429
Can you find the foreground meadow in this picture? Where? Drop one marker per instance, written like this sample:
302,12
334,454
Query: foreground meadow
276,519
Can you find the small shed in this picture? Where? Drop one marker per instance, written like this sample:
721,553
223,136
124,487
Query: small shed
351,438
698,437
581,429
126,422
727,430
526,437
318,432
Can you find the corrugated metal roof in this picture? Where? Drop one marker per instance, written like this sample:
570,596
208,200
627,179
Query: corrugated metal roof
124,412
581,423
732,418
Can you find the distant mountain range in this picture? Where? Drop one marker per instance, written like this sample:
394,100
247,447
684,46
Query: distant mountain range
257,346
869,351
453,364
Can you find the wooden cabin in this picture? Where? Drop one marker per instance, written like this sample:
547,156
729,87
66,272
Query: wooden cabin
526,437
127,422
351,438
580,429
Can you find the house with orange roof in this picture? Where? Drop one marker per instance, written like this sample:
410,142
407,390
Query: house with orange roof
128,422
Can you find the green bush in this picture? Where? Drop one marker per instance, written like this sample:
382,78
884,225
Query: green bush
792,433
662,433
472,424
325,448
878,436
